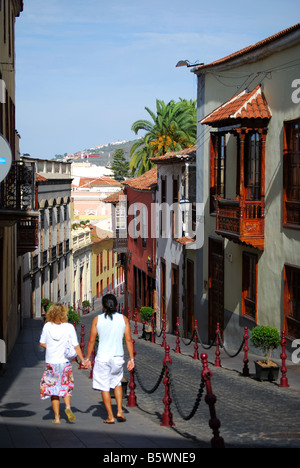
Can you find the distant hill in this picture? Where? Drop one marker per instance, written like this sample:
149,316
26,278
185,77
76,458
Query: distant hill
99,156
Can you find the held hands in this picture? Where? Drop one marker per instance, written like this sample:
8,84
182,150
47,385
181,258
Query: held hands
86,364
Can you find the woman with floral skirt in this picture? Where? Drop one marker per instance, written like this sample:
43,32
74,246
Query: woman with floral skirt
57,381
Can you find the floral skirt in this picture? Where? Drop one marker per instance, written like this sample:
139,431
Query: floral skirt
57,380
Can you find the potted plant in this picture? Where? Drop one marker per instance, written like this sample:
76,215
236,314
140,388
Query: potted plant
73,316
146,314
267,339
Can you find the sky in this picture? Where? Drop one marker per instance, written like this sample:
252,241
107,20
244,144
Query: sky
86,69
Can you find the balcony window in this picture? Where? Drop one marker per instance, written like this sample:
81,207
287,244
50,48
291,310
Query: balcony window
292,300
291,168
249,285
217,171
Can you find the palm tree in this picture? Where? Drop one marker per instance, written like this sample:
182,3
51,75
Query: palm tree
173,128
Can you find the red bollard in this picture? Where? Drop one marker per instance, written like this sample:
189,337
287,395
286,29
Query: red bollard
245,372
283,381
82,344
167,418
217,441
217,361
177,350
132,397
129,315
122,309
196,353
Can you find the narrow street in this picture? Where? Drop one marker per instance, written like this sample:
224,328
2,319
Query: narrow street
252,413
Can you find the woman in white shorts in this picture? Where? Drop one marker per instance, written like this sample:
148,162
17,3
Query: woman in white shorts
111,327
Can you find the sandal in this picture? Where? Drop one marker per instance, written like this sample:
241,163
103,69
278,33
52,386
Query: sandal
121,419
70,415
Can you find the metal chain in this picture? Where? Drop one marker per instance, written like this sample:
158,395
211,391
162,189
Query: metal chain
231,355
187,344
201,343
174,395
155,386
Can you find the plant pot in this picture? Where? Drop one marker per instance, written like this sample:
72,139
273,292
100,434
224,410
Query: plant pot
266,372
148,335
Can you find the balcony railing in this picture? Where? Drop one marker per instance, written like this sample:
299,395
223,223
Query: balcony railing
27,235
241,221
17,191
120,244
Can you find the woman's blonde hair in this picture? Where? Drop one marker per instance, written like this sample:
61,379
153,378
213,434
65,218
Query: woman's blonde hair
57,313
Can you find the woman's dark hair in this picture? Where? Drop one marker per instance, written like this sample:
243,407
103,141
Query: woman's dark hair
110,303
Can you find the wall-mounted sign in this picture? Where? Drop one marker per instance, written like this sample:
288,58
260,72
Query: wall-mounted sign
5,158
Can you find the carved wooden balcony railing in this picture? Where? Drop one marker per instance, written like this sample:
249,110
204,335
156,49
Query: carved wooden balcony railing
27,235
241,221
120,244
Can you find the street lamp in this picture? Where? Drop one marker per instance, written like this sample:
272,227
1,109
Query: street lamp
187,63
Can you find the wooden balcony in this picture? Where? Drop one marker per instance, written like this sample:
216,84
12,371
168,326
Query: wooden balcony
17,194
27,235
241,221
120,244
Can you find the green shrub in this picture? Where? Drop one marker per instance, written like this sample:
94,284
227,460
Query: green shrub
73,316
146,313
266,338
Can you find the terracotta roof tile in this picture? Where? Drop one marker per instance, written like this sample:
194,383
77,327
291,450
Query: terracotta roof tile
40,178
114,197
176,156
250,48
88,182
245,105
147,181
98,234
185,240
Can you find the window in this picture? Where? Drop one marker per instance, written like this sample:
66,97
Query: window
217,169
163,221
144,226
292,300
249,293
291,170
97,265
253,166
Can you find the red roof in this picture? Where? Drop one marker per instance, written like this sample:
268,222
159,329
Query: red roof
40,178
245,105
251,48
114,197
87,182
147,181
177,156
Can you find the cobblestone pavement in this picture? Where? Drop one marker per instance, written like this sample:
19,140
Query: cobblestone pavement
252,413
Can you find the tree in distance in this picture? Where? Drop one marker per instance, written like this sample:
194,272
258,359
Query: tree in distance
119,165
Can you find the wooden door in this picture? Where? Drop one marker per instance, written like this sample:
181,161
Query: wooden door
163,299
216,286
189,325
175,296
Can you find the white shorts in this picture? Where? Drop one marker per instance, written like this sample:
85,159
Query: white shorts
107,375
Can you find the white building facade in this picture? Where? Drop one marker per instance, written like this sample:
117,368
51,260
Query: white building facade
46,271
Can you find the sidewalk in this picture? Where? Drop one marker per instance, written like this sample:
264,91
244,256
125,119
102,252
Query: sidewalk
25,420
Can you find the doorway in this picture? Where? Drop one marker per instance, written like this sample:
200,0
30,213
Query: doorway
216,286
